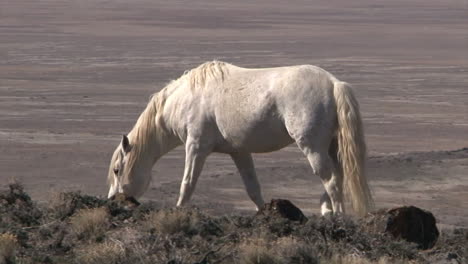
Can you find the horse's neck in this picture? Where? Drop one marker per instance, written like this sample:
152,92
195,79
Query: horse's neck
154,139
171,142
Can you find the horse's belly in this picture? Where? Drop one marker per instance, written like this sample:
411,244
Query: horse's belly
260,137
269,144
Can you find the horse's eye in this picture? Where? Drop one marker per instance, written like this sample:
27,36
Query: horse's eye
116,171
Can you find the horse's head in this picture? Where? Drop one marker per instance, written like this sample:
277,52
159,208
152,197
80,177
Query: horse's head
127,174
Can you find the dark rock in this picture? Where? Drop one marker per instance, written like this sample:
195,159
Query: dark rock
283,208
451,256
338,234
412,224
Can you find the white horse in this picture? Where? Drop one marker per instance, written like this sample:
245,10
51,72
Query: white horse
219,107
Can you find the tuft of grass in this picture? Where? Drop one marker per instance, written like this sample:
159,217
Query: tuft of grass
293,250
282,250
351,259
16,208
257,251
169,222
259,255
108,252
87,223
65,204
8,245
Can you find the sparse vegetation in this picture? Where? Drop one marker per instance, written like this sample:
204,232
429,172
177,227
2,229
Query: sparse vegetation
16,208
173,221
92,222
351,259
78,228
258,251
107,252
295,251
280,250
63,205
8,245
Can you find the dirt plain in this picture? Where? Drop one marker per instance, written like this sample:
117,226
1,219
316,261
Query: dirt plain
75,75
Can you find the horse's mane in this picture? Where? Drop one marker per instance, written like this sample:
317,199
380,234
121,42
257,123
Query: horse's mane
198,77
144,131
212,70
150,127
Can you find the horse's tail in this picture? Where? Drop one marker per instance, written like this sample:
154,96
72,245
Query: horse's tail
352,148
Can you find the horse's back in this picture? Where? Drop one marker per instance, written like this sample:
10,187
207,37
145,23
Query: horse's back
256,110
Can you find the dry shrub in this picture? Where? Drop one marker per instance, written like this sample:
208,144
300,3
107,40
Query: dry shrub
283,250
170,222
257,251
108,252
8,245
16,208
65,204
292,250
88,223
361,260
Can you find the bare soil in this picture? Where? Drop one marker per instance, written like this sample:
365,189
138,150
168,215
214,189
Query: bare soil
74,76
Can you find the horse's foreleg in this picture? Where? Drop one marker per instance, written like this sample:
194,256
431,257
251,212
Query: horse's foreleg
325,204
245,165
194,160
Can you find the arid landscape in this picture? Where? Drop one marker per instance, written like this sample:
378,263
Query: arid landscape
77,228
75,75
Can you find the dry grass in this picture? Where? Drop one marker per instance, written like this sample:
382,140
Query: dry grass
257,253
72,233
287,250
170,222
88,223
361,260
8,245
108,252
65,204
293,250
282,250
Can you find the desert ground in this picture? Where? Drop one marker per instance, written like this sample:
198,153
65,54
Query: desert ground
75,75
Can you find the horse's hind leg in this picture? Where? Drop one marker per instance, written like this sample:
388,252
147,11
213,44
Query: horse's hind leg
337,173
326,206
245,165
322,166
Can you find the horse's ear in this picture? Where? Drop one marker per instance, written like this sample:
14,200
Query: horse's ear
126,144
